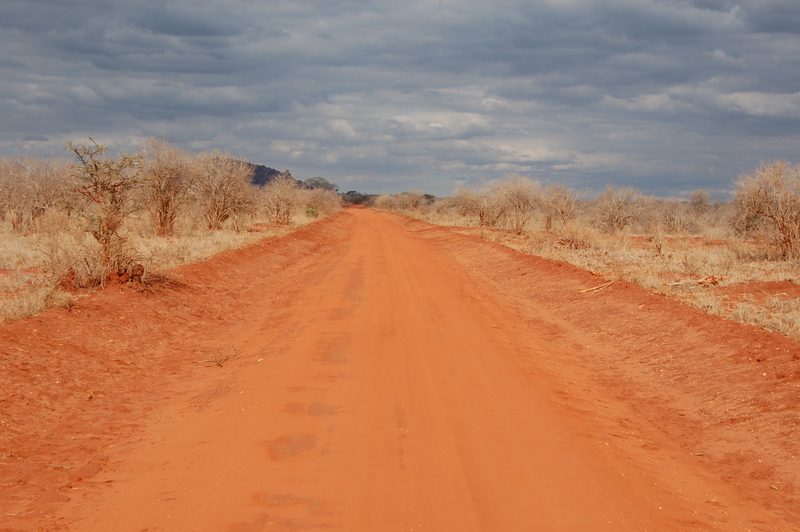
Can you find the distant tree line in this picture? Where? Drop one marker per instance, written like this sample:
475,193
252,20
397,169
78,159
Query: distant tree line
765,206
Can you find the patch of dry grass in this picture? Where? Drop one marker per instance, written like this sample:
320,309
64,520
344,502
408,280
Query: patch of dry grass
36,265
23,294
18,251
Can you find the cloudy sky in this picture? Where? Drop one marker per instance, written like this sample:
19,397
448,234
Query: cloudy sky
389,95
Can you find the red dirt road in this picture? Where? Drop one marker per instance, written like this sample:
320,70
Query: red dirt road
394,376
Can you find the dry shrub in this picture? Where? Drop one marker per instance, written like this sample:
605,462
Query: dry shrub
166,177
752,251
413,200
410,202
385,202
221,186
560,203
542,244
576,236
29,187
667,216
444,211
18,251
320,201
700,202
90,227
107,186
279,198
770,196
617,207
59,259
73,259
482,204
521,196
513,201
441,211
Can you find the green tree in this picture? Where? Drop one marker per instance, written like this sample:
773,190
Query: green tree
321,182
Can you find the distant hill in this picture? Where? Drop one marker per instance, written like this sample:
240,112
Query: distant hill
264,174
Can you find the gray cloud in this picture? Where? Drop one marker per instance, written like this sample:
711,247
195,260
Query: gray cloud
772,16
384,96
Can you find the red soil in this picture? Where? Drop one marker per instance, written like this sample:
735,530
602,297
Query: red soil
373,372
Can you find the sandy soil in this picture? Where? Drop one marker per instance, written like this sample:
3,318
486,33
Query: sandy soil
373,372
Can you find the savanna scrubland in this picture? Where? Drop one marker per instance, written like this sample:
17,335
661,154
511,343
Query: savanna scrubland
737,259
71,225
68,226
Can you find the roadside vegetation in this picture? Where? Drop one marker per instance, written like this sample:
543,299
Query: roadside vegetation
738,259
69,225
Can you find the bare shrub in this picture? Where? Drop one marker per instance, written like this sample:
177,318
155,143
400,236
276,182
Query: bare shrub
560,203
279,198
658,236
575,236
221,186
72,257
700,202
107,185
412,200
385,202
617,207
444,211
29,187
521,196
771,194
447,206
513,201
482,204
669,217
321,201
9,173
166,177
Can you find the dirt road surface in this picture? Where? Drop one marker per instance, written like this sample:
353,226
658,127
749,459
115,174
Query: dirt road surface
375,373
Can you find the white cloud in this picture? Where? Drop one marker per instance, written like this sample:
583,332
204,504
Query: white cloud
761,104
645,102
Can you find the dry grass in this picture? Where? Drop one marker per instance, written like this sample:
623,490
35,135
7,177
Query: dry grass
24,294
192,242
67,229
34,266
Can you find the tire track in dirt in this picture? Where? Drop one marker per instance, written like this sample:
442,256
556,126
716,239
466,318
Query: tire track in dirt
396,376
